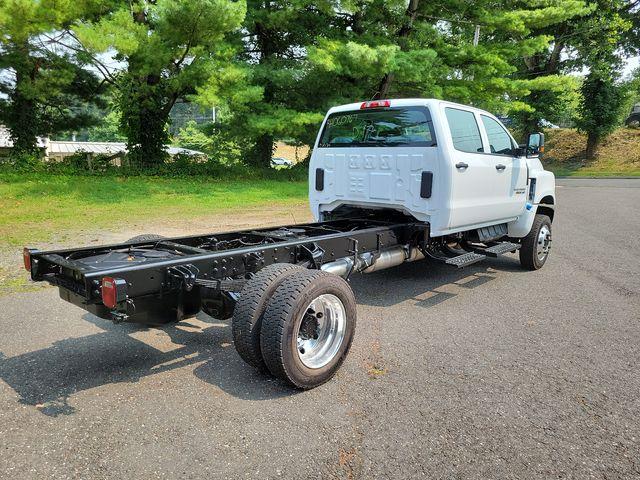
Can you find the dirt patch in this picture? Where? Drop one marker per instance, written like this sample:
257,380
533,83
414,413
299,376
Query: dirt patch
291,152
619,153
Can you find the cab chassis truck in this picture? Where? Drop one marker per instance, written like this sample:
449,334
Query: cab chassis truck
390,181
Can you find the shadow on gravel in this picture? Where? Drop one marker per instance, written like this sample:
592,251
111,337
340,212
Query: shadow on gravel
426,282
126,353
47,378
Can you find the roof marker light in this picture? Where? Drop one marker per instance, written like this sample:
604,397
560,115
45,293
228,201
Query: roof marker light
375,104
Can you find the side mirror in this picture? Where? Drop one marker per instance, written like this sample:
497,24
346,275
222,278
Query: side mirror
534,145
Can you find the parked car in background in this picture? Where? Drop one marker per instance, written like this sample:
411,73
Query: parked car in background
281,162
547,124
633,120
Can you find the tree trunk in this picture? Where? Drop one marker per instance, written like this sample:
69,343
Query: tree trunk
23,120
593,142
147,137
24,131
262,151
145,104
384,86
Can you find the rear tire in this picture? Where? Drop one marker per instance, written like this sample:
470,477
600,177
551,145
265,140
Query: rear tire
308,328
535,246
250,307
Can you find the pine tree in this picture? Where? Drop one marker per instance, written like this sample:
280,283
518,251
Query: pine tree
171,48
418,48
44,85
280,96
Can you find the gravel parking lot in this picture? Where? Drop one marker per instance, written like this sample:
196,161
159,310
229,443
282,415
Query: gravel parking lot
485,372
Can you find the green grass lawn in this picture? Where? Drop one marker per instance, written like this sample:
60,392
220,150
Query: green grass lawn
604,169
36,207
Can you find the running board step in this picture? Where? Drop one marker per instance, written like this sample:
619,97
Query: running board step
501,248
465,259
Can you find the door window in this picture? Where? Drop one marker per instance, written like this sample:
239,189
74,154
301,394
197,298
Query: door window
464,130
499,139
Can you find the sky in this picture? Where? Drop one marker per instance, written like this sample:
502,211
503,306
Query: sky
632,63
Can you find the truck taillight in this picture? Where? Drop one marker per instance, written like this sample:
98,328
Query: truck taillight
375,104
114,291
26,257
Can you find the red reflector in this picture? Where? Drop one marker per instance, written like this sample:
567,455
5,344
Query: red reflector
109,292
375,104
26,257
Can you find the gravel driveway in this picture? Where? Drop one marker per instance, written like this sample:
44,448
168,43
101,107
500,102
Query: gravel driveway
486,372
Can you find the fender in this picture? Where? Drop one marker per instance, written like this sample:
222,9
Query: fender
541,199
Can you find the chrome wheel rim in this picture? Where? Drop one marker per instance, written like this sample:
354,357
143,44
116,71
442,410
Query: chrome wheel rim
321,331
544,243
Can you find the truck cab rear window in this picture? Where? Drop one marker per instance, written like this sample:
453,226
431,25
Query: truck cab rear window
389,127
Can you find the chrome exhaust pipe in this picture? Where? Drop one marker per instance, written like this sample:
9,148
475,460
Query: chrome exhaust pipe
367,263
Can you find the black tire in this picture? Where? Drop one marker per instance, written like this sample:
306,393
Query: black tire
529,257
282,321
250,307
147,237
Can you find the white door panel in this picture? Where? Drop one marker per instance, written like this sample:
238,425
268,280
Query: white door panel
476,198
511,185
511,171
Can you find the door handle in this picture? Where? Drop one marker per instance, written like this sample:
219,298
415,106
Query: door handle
462,165
500,167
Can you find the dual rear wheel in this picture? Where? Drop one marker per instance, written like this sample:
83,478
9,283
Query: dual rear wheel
295,323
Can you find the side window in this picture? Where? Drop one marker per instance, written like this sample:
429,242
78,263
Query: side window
464,130
499,139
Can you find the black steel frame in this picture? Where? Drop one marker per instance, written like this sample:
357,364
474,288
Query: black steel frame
219,260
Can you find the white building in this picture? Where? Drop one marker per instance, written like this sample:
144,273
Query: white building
58,150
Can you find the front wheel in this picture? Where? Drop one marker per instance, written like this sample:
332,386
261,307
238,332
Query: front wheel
537,244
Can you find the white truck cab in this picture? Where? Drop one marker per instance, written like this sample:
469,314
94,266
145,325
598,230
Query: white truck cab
454,166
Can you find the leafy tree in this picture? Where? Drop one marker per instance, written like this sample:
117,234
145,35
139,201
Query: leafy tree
170,48
552,100
603,92
108,130
399,49
42,87
277,94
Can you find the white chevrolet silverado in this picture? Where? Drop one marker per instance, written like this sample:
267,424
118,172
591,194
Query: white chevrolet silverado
390,181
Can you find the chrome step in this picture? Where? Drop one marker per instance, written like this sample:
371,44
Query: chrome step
465,259
501,248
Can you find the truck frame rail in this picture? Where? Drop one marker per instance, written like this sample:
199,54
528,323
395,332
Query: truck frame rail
165,279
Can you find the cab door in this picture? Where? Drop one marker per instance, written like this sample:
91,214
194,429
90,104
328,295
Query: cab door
509,175
474,199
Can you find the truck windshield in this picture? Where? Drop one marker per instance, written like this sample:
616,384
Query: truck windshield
388,127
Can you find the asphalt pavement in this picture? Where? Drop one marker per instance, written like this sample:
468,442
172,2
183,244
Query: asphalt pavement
485,372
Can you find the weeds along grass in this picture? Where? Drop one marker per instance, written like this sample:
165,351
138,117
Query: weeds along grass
37,206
